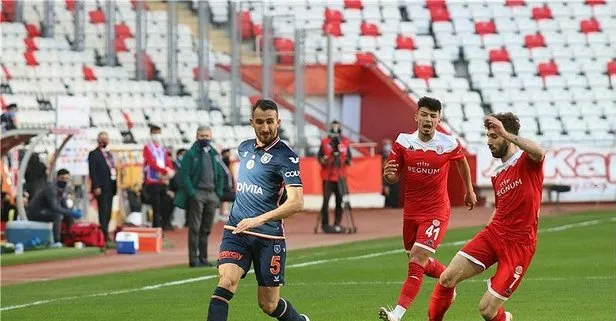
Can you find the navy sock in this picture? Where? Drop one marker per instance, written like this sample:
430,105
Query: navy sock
219,305
285,312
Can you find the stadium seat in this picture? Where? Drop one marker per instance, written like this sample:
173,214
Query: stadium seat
423,71
590,25
499,55
485,27
534,41
547,69
439,13
369,29
539,13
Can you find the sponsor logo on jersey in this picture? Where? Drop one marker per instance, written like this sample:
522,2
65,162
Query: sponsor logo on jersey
294,160
436,223
430,243
276,248
230,255
507,186
508,292
249,188
423,170
266,158
291,174
250,164
277,278
244,154
519,269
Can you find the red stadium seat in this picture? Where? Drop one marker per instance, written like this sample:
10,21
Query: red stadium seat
485,27
30,44
365,58
595,2
353,4
547,69
122,30
7,73
119,44
499,55
88,73
8,11
2,103
257,30
369,29
439,14
435,3
332,15
97,16
30,58
133,4
285,49
540,13
246,25
33,31
70,5
515,3
611,67
423,71
403,42
590,25
332,28
534,41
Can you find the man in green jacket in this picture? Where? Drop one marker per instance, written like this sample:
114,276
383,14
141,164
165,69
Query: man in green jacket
201,183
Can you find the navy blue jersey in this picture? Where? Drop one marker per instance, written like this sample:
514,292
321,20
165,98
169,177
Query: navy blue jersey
263,174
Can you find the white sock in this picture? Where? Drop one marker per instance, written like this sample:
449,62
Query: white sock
398,312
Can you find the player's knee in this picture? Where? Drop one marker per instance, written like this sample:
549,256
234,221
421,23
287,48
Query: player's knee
267,306
486,310
419,257
448,279
227,282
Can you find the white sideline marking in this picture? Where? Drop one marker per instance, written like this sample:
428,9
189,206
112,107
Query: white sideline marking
297,265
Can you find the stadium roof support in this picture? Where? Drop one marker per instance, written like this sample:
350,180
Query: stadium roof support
204,56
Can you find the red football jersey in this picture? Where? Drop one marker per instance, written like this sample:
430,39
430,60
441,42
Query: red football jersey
518,184
424,167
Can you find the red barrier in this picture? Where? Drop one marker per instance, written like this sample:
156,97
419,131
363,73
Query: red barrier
363,176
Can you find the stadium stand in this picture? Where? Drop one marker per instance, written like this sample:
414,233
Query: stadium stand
36,69
552,62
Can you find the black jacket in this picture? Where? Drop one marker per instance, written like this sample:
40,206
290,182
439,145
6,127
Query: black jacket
49,199
100,174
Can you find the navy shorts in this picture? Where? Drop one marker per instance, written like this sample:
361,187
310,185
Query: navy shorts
268,255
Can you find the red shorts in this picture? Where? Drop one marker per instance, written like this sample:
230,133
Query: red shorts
426,233
513,260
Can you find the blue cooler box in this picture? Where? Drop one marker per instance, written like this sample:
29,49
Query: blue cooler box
26,231
127,242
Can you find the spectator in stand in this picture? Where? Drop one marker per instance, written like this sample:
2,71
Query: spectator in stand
229,192
202,181
50,205
36,175
103,176
8,120
158,171
334,156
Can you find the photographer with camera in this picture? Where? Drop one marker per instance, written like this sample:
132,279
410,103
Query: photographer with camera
334,156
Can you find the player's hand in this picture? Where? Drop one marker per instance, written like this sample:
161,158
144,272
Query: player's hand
98,191
391,168
496,125
470,200
247,224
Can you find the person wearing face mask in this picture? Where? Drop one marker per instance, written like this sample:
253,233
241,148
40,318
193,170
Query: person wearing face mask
103,180
49,205
158,171
201,183
8,119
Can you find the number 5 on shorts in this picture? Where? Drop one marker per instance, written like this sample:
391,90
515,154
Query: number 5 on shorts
275,265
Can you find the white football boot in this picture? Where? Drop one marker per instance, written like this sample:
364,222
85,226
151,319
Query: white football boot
508,316
386,315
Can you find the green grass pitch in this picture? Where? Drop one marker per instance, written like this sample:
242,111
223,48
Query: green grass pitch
572,277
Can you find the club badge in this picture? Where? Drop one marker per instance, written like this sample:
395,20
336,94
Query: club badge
266,158
250,164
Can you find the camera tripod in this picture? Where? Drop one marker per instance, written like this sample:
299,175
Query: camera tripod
346,201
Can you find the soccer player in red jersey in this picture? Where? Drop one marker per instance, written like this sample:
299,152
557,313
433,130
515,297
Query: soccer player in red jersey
422,160
510,237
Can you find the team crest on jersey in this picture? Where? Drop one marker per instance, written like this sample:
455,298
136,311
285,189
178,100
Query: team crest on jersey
440,149
266,158
436,223
276,248
519,269
250,164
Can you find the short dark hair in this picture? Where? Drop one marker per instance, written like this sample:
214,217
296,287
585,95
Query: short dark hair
432,104
265,104
154,127
226,150
62,171
11,106
510,121
181,151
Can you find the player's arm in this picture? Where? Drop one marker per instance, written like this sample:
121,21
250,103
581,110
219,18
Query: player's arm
492,217
470,199
534,150
395,159
293,204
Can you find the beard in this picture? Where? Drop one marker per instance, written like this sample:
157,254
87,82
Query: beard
267,138
500,152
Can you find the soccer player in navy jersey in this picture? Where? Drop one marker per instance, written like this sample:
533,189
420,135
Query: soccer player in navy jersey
269,189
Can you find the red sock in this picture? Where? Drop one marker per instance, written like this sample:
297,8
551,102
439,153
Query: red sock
500,315
434,268
440,301
411,285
